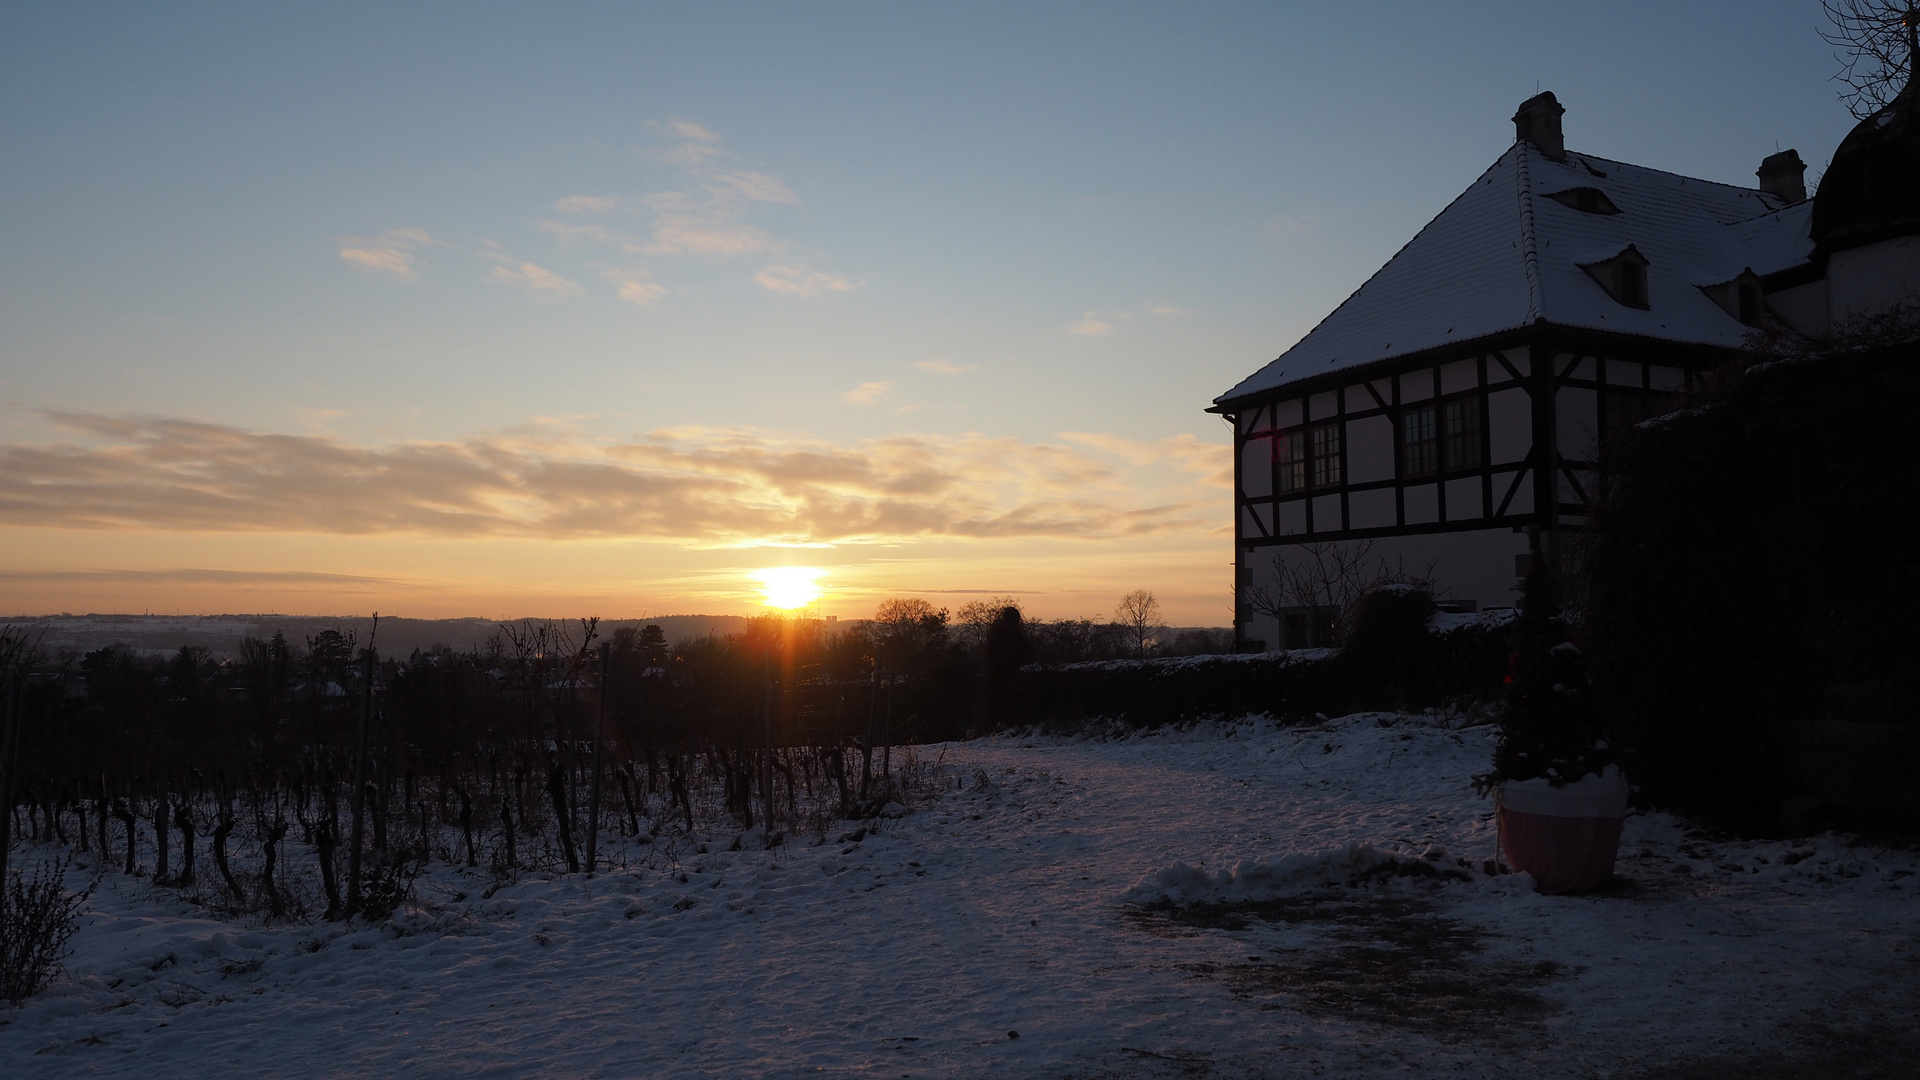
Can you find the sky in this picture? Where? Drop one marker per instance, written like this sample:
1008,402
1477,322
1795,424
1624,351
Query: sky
566,309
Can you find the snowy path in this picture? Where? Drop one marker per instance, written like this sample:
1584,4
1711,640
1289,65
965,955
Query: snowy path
995,908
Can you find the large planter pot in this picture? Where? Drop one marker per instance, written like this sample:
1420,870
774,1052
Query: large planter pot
1566,837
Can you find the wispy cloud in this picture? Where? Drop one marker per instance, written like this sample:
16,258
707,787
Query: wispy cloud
205,576
942,367
1102,323
867,393
752,187
690,145
706,234
391,254
1212,461
698,486
635,286
1090,325
569,234
535,279
802,281
706,218
709,214
710,217
587,204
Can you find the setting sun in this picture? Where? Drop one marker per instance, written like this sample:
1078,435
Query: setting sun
789,587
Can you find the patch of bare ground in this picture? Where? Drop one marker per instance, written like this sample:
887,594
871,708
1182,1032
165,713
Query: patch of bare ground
1384,960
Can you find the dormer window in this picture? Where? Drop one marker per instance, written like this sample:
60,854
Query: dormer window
1741,298
1624,276
1587,200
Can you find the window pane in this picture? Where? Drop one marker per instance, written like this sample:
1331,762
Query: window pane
1419,446
1326,456
1290,452
1462,419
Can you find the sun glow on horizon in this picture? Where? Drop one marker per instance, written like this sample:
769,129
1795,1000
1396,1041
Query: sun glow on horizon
789,587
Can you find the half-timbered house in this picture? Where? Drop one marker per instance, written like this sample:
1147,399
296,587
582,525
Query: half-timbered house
1456,409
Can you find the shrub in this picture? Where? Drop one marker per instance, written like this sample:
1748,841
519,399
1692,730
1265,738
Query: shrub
1390,651
1395,658
36,925
387,884
1748,554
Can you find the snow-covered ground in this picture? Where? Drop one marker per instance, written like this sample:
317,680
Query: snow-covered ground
1007,902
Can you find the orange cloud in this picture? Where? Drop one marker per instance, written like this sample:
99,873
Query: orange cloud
636,286
391,254
867,393
942,367
801,281
587,204
1213,461
1091,326
535,279
704,487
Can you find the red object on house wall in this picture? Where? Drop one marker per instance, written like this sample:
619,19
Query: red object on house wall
1566,837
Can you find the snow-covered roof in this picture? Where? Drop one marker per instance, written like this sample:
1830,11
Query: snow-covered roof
1505,255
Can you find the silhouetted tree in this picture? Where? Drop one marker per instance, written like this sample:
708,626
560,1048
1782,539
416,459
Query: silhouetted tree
1138,614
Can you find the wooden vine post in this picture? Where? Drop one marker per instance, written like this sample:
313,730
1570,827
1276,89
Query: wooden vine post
593,785
360,778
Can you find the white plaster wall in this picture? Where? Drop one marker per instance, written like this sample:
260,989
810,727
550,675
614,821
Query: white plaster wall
1868,280
1510,425
1579,421
1463,499
1326,514
1416,385
1369,449
1804,307
1459,375
1256,467
1477,566
1372,509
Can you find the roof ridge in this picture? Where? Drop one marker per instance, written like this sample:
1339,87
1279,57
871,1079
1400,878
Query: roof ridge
1529,252
1355,294
1665,172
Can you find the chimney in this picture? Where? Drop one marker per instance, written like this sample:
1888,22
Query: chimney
1784,176
1538,122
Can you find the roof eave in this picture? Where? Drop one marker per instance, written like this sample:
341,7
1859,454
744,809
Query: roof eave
1361,372
1439,354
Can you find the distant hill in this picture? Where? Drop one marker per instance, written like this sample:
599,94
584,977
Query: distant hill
221,634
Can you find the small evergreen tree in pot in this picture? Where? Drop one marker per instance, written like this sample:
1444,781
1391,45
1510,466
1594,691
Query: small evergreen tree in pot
1549,726
1558,791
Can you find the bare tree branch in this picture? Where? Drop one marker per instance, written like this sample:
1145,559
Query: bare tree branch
1875,39
1328,579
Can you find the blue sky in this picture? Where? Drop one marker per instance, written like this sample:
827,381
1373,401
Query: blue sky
998,257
